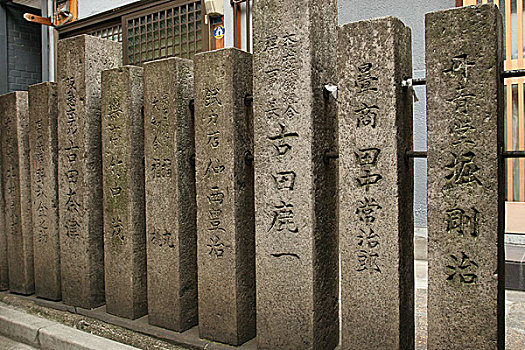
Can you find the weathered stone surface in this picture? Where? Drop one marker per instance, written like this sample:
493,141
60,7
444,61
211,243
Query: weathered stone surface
225,215
4,271
466,307
171,231
295,190
376,192
124,206
16,179
43,141
81,61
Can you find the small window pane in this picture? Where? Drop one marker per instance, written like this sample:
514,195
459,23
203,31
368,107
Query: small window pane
172,30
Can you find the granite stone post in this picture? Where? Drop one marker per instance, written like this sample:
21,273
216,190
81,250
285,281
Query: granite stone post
16,179
4,271
124,206
466,305
43,114
81,61
376,185
295,185
225,208
171,232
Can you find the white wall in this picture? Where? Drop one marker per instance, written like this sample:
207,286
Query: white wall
228,25
87,8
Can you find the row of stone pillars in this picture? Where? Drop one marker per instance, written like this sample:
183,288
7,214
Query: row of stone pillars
117,192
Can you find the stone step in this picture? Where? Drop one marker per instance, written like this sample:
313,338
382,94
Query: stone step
45,334
8,344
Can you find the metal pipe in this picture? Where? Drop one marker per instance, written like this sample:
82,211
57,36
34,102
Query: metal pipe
328,156
416,154
513,73
506,74
419,81
513,154
423,154
248,158
505,154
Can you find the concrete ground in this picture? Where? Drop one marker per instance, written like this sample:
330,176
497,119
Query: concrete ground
8,344
514,309
143,336
22,321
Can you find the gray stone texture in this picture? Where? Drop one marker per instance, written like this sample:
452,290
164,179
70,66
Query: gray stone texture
4,271
43,142
124,206
171,228
81,61
16,179
376,191
225,214
466,307
295,189
412,13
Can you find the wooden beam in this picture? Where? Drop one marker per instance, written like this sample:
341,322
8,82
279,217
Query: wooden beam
37,19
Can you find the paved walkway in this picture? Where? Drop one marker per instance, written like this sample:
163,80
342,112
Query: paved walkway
514,309
8,344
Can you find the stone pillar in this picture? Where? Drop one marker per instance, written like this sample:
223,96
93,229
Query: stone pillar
225,215
376,192
295,189
4,270
466,305
43,114
16,179
171,231
81,61
124,207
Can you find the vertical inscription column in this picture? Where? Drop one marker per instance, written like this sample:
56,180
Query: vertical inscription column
170,194
43,114
376,188
81,61
16,179
225,216
295,190
465,179
124,216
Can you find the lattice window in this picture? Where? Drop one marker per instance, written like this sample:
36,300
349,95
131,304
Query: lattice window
112,33
164,31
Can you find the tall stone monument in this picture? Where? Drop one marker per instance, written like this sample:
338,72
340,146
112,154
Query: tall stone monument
466,296
295,188
124,206
43,141
16,180
376,192
81,61
171,232
225,215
